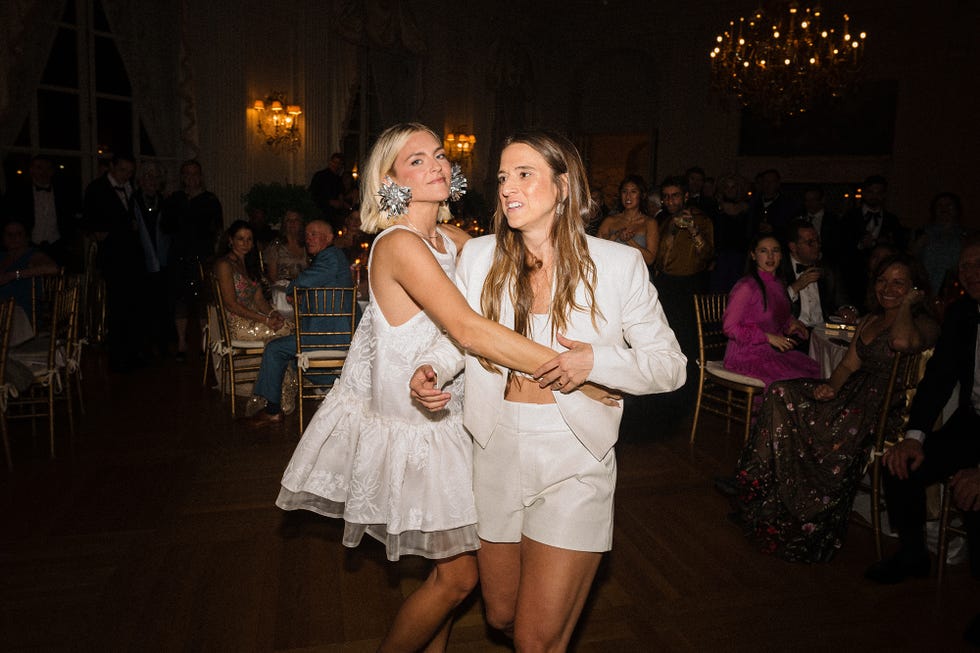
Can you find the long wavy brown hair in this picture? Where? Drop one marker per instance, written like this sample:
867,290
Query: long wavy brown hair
510,273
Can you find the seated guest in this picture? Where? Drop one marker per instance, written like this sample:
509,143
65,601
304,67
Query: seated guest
329,269
240,282
938,245
812,289
633,227
20,263
761,330
285,257
925,456
798,473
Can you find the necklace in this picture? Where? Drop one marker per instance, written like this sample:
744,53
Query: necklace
408,223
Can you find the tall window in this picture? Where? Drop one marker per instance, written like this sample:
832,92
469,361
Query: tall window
83,110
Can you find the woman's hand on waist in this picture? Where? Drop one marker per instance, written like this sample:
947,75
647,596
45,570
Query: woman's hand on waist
424,390
568,370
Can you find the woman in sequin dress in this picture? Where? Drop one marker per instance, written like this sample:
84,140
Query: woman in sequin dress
798,473
249,315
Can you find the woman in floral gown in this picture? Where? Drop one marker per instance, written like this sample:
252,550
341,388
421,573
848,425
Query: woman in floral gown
798,474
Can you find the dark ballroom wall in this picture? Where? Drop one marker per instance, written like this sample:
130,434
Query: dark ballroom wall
614,74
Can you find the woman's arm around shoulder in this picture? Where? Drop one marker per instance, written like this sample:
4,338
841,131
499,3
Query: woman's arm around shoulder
404,259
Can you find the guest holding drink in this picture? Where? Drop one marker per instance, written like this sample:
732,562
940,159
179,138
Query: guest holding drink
761,329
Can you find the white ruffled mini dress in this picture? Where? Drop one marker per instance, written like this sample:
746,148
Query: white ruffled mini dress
372,457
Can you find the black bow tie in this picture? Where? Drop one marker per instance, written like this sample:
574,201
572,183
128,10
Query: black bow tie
121,189
801,268
43,189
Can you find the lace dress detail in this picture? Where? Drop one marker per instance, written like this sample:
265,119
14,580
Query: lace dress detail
370,456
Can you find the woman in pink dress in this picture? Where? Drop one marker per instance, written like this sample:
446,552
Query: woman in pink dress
761,329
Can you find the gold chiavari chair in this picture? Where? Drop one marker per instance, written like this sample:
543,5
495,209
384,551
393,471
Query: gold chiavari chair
236,357
6,319
325,320
720,391
46,357
907,371
43,290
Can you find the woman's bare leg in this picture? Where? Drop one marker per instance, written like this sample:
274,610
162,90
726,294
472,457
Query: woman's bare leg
500,576
424,620
554,586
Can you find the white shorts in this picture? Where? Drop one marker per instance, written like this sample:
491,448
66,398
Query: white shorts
536,479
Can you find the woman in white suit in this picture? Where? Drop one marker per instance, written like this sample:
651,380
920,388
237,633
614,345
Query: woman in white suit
544,467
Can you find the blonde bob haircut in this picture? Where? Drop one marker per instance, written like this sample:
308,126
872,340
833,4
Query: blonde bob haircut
381,162
509,278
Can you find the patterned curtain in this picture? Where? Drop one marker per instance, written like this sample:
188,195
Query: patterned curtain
27,31
148,35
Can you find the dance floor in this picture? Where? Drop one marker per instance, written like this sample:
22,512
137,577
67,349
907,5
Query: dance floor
155,530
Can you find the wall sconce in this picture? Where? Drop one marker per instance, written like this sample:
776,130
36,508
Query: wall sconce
459,145
278,122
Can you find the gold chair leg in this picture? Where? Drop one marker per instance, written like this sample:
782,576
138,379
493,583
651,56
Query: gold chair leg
697,409
51,417
942,548
231,386
876,505
6,441
299,397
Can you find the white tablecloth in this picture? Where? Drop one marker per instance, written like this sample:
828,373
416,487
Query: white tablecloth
20,327
828,346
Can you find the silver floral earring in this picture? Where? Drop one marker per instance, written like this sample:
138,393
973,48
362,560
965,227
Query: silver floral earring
457,183
394,199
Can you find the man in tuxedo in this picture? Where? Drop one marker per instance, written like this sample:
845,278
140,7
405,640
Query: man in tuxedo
696,196
46,208
825,222
811,286
771,209
110,217
953,449
863,227
329,269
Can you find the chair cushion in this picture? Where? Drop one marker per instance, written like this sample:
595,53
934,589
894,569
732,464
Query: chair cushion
717,368
34,354
247,344
325,354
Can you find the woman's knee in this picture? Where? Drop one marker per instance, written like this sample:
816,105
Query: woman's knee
458,577
500,617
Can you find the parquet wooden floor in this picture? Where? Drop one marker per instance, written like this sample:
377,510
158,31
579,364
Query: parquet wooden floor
156,531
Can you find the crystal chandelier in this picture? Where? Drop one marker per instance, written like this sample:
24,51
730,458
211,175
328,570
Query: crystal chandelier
780,60
277,122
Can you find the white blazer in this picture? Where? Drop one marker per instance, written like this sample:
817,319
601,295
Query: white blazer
635,350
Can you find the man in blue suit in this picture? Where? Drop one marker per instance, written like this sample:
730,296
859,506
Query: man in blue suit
329,269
